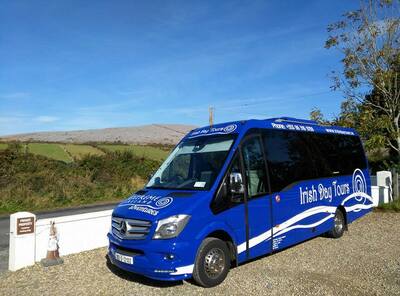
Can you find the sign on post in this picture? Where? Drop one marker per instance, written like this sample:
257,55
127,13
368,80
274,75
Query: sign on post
25,225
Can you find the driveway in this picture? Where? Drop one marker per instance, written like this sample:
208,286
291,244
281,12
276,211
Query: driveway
365,261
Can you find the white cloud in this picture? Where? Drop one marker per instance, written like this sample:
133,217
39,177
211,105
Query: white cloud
46,119
15,95
130,92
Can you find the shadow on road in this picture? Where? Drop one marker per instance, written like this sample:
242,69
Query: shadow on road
132,277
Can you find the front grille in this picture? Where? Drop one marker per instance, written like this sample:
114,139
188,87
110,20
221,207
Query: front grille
127,251
130,228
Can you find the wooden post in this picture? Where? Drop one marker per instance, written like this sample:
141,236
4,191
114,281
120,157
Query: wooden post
395,184
211,115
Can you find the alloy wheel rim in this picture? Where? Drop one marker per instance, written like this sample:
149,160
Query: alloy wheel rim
214,263
338,224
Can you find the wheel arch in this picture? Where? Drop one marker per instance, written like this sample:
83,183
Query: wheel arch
224,236
222,232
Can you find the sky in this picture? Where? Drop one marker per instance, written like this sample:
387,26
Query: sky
68,65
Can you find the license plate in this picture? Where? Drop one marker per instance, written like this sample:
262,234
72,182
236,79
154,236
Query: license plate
124,258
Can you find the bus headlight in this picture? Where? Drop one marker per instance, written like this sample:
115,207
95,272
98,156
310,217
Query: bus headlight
171,226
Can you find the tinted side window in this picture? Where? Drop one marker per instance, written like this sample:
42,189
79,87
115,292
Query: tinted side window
289,159
355,151
254,165
340,155
317,144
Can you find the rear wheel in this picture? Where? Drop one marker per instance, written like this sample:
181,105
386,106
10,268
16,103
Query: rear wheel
212,262
339,225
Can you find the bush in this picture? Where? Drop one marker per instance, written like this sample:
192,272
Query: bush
32,182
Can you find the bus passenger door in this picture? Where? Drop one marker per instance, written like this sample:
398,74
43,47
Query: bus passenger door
257,201
230,207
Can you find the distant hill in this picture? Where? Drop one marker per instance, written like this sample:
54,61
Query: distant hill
146,134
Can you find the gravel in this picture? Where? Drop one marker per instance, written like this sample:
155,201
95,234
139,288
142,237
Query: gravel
365,261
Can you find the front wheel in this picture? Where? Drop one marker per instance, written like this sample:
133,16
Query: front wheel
339,225
212,263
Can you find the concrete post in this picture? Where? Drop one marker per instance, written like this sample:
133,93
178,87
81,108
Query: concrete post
384,178
22,240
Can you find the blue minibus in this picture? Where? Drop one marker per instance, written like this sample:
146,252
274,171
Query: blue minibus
232,192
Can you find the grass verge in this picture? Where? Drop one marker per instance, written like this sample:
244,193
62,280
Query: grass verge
393,206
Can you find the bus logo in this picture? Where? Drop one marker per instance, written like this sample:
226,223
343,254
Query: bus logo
230,128
359,183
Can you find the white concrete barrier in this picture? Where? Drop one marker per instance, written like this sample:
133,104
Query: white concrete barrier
22,240
380,194
384,179
76,233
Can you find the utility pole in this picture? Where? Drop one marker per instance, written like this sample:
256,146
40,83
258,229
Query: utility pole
211,115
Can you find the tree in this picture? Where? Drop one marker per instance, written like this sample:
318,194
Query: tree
370,127
369,39
317,115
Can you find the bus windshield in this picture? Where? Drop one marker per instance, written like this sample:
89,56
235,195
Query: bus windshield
194,164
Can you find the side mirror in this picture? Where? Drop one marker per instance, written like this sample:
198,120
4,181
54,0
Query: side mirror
150,176
157,181
236,183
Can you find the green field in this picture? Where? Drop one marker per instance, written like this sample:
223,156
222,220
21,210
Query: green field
141,151
78,151
71,152
53,151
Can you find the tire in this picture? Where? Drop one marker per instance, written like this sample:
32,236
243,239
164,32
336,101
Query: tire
212,263
339,224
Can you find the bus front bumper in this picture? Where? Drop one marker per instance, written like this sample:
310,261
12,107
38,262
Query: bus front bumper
155,259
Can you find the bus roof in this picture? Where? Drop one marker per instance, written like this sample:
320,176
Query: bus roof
279,123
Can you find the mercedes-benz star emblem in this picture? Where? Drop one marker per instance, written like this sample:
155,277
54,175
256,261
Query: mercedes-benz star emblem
123,227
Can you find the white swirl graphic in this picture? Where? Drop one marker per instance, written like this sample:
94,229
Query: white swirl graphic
230,128
359,185
164,202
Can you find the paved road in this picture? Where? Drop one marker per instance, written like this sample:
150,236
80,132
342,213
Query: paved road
5,226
